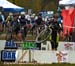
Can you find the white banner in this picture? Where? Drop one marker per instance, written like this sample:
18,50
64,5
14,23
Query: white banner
66,46
64,2
2,44
22,55
44,56
71,57
61,46
62,56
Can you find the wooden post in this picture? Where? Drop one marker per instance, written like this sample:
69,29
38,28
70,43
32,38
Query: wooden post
29,56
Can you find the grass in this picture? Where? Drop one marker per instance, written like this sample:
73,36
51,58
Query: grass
38,65
54,64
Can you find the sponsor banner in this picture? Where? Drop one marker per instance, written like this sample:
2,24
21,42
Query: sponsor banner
61,46
45,56
50,56
62,56
66,46
8,55
22,55
10,45
29,45
42,56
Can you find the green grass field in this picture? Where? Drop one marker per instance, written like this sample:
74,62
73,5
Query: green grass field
54,64
37,65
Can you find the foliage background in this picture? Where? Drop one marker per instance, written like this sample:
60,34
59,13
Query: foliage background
37,5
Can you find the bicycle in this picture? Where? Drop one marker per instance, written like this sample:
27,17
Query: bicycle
44,35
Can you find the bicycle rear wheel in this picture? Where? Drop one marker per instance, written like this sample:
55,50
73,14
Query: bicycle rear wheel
44,35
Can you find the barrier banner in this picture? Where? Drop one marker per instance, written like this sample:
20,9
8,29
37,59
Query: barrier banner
62,56
66,46
22,55
29,45
2,44
8,55
45,56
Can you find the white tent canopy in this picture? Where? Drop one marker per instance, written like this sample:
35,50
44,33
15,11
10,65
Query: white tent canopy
66,2
8,6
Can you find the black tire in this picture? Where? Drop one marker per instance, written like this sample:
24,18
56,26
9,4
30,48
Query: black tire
44,35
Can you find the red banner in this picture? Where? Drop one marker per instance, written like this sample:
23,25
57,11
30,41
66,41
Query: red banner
68,20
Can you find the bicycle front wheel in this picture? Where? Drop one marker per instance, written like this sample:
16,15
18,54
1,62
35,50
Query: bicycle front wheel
44,35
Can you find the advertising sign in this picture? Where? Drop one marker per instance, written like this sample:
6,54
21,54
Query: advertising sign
8,55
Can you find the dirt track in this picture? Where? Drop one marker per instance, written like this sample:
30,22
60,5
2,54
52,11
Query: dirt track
29,37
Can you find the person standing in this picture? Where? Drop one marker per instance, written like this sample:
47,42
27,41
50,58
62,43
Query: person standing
56,29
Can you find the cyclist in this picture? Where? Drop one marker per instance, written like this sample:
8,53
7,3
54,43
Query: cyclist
23,25
15,28
56,29
39,23
9,19
2,21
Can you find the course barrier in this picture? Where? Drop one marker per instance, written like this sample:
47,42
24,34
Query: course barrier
44,56
64,54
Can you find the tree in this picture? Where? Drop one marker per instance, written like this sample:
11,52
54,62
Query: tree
37,5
